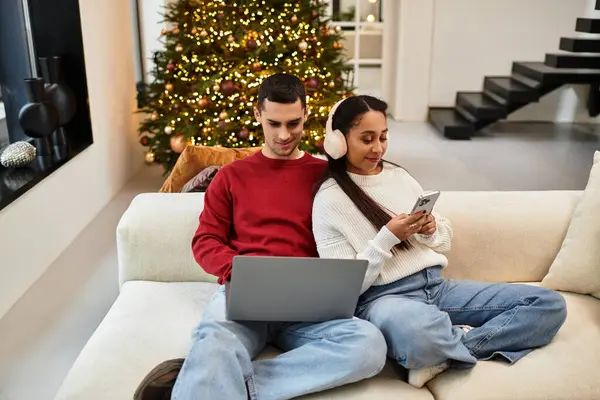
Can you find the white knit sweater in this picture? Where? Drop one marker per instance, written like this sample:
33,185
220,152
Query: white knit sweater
342,231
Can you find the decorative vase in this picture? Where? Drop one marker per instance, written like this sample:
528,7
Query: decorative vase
62,98
38,118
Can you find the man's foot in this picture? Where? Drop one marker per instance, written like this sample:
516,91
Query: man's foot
158,384
419,377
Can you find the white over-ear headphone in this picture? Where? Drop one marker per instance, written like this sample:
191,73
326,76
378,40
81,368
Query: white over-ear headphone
335,141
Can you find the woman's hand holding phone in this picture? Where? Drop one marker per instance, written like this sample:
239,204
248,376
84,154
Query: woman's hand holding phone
404,225
429,226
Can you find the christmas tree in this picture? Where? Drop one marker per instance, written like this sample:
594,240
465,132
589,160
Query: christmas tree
216,55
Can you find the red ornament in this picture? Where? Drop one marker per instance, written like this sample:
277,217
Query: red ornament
228,87
312,83
314,14
221,15
170,67
251,44
203,102
243,134
144,141
319,145
222,125
256,66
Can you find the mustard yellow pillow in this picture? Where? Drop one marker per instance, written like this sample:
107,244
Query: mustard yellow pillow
195,158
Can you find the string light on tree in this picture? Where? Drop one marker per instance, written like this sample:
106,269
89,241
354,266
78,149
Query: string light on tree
205,83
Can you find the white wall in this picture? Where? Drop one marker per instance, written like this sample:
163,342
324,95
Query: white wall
151,24
446,46
38,226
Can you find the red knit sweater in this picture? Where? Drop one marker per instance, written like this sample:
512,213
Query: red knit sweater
257,206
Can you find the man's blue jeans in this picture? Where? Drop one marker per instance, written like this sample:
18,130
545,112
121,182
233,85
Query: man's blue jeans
417,315
317,356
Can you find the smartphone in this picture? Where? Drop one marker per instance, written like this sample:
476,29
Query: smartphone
425,202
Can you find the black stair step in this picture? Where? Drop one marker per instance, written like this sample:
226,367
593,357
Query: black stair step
555,76
588,25
572,61
465,114
450,123
496,98
482,107
526,81
510,89
597,4
580,45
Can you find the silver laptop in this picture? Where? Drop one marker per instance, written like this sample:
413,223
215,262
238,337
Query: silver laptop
288,289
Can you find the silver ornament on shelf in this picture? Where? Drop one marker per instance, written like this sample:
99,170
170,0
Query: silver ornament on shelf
17,155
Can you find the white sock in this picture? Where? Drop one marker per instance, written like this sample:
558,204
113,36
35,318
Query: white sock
465,328
419,377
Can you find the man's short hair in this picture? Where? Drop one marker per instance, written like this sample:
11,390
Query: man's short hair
281,88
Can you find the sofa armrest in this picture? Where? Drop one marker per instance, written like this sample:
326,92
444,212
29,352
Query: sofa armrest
154,238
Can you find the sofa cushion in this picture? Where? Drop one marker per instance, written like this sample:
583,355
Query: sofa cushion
505,236
151,322
576,268
195,158
567,368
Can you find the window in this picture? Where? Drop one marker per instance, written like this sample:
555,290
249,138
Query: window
362,26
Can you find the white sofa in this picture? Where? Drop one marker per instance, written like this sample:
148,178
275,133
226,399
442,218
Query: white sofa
499,236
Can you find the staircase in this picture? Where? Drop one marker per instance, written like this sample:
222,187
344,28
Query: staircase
528,82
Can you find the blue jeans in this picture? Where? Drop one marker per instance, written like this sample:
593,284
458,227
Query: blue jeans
417,315
317,356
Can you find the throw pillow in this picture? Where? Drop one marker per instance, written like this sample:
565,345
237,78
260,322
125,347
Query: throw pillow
200,182
576,268
195,158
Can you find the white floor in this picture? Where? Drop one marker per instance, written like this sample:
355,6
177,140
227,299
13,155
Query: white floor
43,333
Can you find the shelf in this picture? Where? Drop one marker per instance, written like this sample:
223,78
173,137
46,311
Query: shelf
366,61
351,24
14,182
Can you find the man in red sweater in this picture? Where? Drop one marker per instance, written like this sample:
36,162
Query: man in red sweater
262,206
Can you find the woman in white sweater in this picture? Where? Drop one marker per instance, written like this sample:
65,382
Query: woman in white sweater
430,324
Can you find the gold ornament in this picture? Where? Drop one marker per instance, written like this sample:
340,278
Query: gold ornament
223,115
256,66
179,48
230,39
154,116
149,157
338,28
194,31
163,32
175,31
203,33
169,87
178,143
331,84
168,130
303,45
294,19
216,87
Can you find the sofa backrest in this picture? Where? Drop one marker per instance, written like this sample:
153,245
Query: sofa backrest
498,236
506,236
